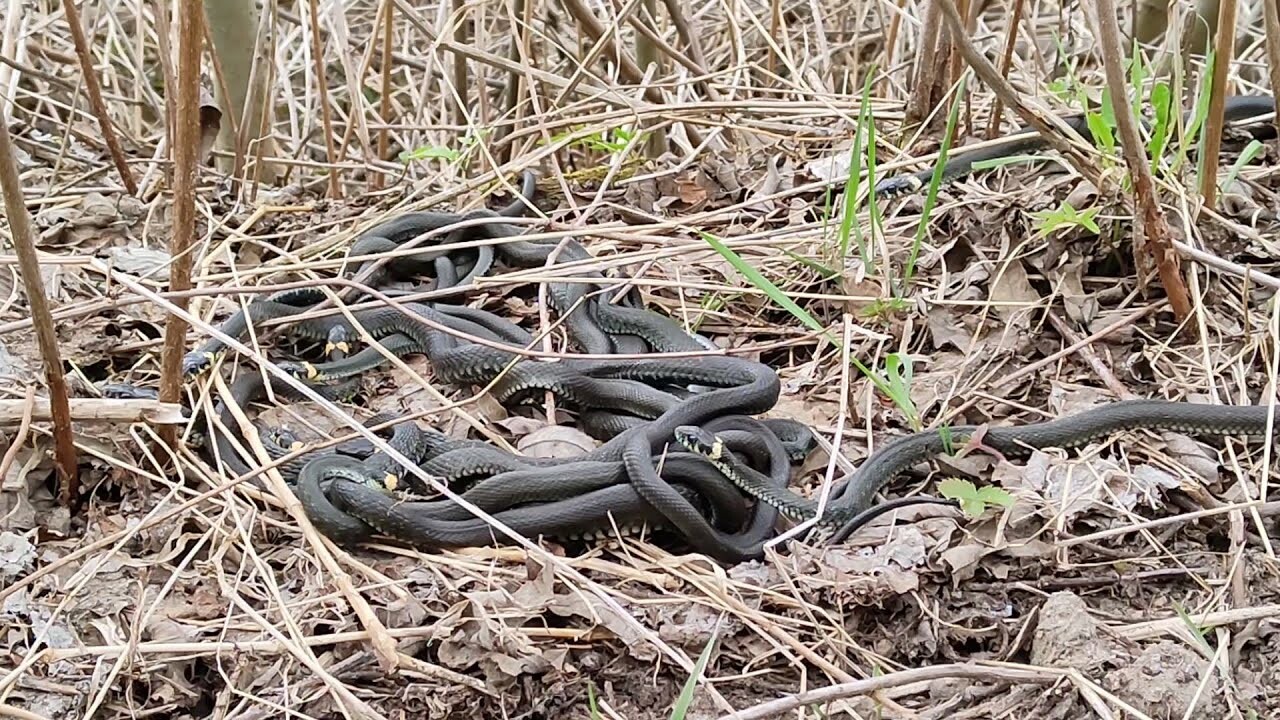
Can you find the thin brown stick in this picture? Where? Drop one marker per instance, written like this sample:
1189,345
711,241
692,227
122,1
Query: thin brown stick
1006,61
384,102
922,96
1086,350
24,244
94,93
185,143
326,115
1217,100
1155,229
459,64
166,68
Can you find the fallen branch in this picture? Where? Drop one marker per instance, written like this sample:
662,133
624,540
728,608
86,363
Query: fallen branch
96,410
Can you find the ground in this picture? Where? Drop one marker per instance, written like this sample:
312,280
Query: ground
1135,577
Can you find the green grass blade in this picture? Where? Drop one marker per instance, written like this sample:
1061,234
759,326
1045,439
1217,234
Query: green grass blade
686,694
931,197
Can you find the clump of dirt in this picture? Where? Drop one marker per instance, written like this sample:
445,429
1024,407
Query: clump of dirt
1162,680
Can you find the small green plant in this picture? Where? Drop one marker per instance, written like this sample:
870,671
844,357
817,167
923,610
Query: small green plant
898,372
608,141
1250,152
1198,631
974,500
778,296
1066,216
613,142
884,307
1162,105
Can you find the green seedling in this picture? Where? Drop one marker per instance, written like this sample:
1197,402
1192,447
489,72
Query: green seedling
429,152
898,373
1066,216
974,500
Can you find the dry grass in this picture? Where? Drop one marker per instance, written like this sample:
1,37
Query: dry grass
179,592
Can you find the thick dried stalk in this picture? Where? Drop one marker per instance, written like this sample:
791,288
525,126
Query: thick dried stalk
1271,21
24,244
1217,100
460,65
922,98
384,103
183,146
1006,61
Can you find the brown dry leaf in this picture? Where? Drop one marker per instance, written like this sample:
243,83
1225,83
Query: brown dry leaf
694,625
693,189
210,123
964,559
17,556
555,441
870,574
642,195
812,409
778,168
1080,304
488,634
139,261
1011,288
833,167
23,497
1193,455
12,366
1071,488
950,327
573,604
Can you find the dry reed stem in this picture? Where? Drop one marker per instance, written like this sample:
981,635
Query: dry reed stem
24,244
1156,240
183,147
1224,52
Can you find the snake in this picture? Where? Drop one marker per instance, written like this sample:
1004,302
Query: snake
850,503
626,391
586,500
1236,108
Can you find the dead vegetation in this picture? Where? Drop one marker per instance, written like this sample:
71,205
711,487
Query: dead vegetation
1136,578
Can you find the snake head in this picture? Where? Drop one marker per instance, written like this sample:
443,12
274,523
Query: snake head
301,370
901,185
700,441
196,362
